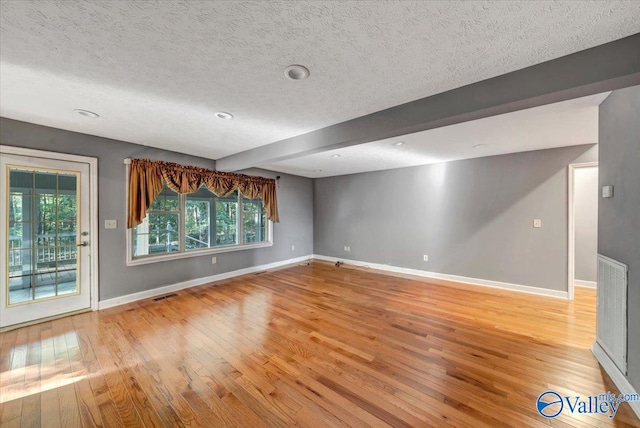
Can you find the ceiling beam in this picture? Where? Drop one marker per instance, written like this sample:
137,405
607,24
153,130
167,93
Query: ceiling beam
603,68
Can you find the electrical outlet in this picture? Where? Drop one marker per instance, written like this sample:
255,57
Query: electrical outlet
293,248
214,260
425,258
537,222
111,224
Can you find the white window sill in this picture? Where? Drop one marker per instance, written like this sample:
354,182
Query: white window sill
145,260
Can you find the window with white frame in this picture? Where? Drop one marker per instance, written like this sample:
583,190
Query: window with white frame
199,222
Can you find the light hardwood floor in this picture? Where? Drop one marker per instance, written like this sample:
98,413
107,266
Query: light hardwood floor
309,345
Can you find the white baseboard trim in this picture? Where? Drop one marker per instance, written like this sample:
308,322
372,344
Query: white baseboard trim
616,375
454,278
117,301
588,284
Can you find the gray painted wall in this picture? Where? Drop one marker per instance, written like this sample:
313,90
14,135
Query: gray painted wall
586,223
472,217
619,217
295,199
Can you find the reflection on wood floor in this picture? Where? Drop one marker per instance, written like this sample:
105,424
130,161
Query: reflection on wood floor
313,346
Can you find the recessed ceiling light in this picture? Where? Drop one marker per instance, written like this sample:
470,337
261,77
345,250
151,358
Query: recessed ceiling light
86,113
479,146
398,143
223,115
296,72
335,156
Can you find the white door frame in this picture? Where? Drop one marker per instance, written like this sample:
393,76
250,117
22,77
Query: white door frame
93,204
572,226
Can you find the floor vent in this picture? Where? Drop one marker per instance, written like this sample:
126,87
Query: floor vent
165,297
612,310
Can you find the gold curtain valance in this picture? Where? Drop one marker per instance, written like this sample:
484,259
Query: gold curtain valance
146,179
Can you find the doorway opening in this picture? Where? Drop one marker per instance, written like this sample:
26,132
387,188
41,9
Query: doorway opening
583,226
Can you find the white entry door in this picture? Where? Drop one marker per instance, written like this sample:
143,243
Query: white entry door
46,223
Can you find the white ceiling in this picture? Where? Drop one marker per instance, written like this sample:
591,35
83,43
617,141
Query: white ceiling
157,72
568,123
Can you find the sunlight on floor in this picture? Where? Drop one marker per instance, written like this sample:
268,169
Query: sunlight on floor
14,391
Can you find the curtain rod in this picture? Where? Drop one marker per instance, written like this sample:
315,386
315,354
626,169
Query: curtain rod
127,161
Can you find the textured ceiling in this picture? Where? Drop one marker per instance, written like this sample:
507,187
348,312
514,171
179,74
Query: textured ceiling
156,72
568,123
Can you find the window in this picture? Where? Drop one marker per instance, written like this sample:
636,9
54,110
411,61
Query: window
254,219
159,232
200,222
205,209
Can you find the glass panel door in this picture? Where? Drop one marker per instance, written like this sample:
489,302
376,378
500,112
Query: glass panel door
43,232
45,253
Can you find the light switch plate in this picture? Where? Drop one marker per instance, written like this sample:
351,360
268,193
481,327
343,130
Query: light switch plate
111,224
607,191
537,222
